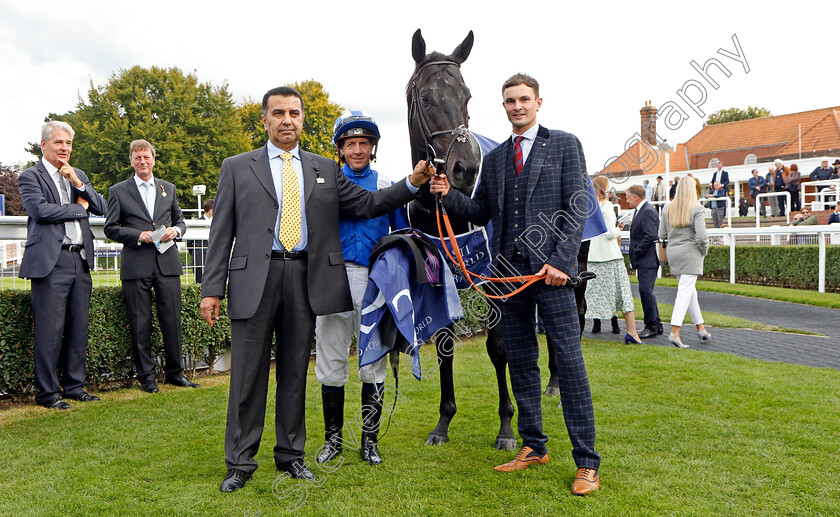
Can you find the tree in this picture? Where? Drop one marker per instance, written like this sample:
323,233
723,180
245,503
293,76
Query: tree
734,114
193,126
319,116
9,189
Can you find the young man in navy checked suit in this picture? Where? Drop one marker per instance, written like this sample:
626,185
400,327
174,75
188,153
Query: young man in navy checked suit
536,183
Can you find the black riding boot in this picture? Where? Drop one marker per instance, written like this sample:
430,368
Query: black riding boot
371,413
333,402
614,323
596,326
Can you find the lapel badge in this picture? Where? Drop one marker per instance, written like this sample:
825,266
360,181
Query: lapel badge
162,191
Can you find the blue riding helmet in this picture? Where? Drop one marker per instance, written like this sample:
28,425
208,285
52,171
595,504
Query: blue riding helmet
355,123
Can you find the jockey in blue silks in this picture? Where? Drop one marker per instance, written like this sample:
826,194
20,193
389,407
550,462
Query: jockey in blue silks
356,137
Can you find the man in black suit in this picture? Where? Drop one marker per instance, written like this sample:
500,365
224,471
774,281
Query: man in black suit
198,249
137,207
58,259
280,205
643,257
534,189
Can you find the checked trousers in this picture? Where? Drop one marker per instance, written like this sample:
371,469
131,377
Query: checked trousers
559,314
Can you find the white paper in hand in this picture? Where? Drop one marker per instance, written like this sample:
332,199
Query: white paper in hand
156,237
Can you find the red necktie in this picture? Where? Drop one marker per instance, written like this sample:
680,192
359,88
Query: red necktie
517,154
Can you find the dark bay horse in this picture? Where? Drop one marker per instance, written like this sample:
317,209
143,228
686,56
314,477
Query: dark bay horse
439,129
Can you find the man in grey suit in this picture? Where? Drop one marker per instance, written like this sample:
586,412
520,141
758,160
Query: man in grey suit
534,188
58,259
280,204
136,208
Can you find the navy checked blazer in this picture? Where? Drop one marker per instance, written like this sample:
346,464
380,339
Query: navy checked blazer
556,202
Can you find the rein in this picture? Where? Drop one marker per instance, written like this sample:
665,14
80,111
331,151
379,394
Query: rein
526,280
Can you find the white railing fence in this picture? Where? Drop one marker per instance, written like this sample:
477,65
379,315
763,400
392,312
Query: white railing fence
820,235
106,272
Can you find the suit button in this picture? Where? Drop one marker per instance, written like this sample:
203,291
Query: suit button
268,255
516,226
276,206
268,230
516,212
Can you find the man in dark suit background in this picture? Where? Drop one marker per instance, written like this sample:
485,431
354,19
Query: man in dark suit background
58,259
280,204
136,207
198,248
534,188
720,175
644,231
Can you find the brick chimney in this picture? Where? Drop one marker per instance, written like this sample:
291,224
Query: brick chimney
648,132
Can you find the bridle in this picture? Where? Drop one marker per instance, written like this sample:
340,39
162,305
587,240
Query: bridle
459,134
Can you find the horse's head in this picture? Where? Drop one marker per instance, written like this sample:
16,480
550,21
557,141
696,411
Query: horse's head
438,122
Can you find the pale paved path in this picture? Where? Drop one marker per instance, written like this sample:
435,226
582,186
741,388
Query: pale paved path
813,351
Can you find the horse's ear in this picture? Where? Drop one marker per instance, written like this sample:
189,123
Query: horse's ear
418,47
462,51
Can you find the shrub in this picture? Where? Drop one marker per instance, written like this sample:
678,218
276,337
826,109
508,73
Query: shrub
109,345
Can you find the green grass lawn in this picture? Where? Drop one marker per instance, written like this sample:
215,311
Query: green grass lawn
783,294
681,432
103,278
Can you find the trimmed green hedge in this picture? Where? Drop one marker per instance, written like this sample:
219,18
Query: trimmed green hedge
781,266
109,345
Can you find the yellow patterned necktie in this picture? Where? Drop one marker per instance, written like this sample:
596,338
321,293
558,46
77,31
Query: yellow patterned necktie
289,233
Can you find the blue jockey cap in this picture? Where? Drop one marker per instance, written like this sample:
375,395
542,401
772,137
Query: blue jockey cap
355,123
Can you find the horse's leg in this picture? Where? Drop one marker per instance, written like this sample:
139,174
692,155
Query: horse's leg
553,388
445,349
580,291
505,440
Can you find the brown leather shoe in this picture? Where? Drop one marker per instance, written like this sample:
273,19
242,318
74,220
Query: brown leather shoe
523,460
587,480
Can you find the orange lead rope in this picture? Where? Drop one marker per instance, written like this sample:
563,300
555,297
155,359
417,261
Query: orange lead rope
459,259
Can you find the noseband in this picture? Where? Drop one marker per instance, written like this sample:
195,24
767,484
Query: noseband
459,134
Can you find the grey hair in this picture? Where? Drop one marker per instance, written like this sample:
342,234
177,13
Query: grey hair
47,129
777,161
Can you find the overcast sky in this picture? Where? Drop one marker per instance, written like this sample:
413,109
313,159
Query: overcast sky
597,63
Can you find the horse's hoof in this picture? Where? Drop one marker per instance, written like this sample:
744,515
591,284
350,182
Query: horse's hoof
551,391
505,444
436,439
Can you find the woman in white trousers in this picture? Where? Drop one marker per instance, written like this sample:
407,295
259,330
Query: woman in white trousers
683,226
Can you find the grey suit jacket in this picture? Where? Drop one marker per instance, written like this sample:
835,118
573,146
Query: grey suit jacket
245,212
127,217
46,218
687,246
556,201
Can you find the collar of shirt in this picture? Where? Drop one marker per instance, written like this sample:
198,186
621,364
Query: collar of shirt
527,142
52,169
274,151
641,204
139,182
